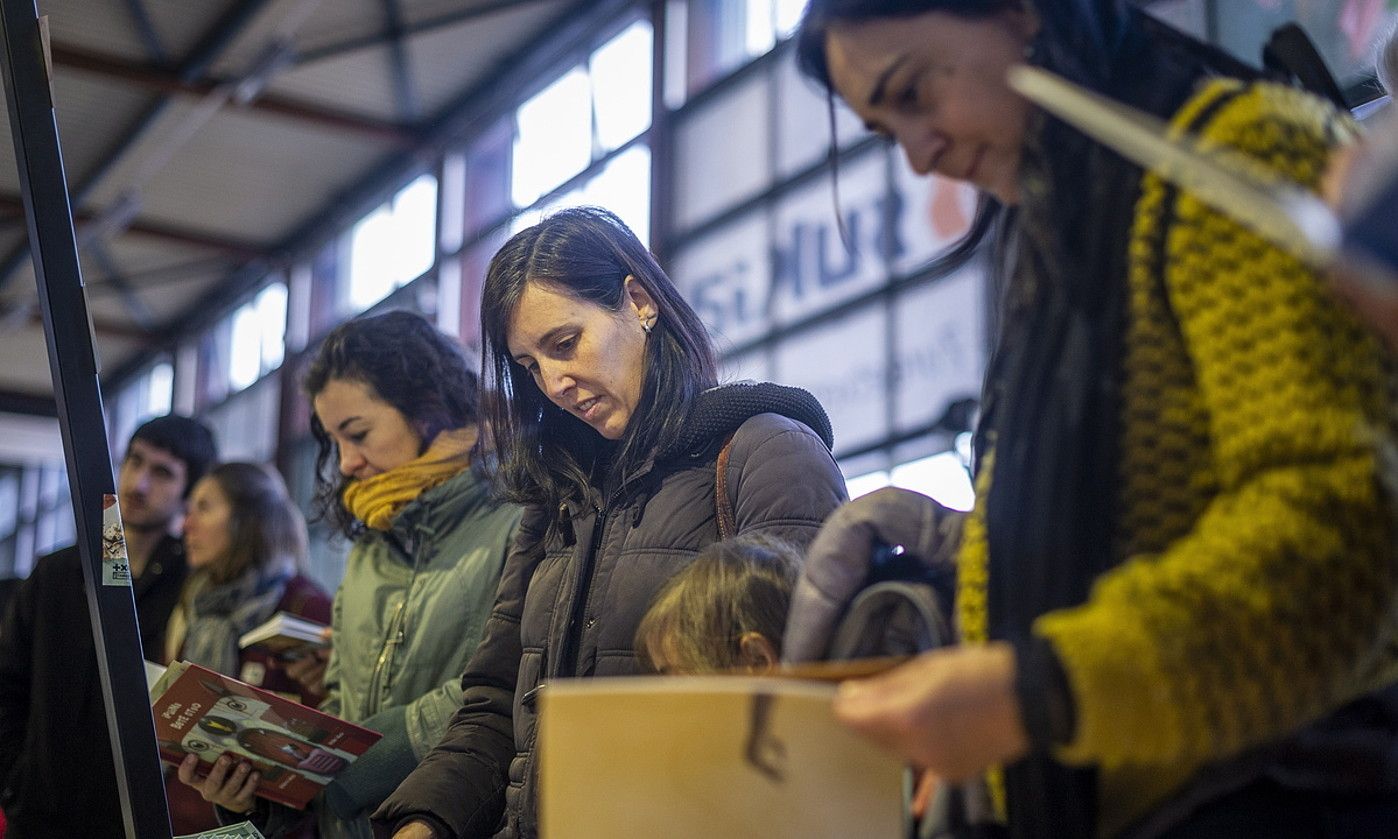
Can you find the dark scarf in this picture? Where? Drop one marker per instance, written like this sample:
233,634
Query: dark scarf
1051,414
219,613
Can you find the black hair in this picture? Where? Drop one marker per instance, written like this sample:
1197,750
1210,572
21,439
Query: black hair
547,456
187,439
404,361
822,14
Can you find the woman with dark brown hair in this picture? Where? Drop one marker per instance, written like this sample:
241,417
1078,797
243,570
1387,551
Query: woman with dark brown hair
611,428
396,421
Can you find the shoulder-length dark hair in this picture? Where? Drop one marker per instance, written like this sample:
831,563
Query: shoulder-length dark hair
547,456
263,525
404,361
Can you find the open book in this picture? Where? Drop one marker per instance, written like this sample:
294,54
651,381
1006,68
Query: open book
686,757
297,749
285,635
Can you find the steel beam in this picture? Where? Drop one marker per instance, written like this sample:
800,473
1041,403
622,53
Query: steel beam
11,204
140,18
557,41
73,366
160,80
200,59
403,88
383,37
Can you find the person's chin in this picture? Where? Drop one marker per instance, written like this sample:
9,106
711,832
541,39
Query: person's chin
611,427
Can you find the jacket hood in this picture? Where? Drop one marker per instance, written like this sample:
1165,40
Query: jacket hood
719,411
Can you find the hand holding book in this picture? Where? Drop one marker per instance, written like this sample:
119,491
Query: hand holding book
213,726
233,788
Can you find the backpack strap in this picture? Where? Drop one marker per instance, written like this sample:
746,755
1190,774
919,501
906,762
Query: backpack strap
723,505
1291,54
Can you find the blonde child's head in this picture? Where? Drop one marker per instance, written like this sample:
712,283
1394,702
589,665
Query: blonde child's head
1386,58
725,611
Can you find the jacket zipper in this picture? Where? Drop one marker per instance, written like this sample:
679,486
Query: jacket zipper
394,634
572,636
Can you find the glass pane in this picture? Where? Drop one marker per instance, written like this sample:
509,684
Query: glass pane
759,37
623,187
787,15
529,218
371,258
940,348
803,120
554,140
726,277
845,365
271,317
621,83
245,350
813,268
393,244
474,264
160,389
934,213
716,33
415,228
9,503
941,476
487,191
865,484
752,366
721,152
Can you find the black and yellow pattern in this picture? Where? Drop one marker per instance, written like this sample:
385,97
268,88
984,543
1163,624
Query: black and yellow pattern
1258,574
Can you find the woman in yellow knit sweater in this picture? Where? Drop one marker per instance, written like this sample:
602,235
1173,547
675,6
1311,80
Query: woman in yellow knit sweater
1176,591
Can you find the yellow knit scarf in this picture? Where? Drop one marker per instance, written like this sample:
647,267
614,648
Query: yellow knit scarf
378,500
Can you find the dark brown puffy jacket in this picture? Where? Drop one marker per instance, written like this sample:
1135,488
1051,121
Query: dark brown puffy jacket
572,596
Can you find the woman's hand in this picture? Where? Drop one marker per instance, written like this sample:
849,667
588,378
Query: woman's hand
415,830
952,711
229,790
309,670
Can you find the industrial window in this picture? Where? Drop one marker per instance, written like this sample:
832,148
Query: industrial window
257,335
392,245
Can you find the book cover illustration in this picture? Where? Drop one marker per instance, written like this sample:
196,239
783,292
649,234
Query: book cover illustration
116,568
693,757
296,749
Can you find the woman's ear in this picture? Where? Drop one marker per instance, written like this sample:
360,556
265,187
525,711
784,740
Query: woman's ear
642,303
757,653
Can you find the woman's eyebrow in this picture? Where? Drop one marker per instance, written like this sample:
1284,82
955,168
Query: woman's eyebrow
880,90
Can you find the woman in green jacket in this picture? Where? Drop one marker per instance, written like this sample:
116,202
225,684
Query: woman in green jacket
396,403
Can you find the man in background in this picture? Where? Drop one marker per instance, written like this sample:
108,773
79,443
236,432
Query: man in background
57,776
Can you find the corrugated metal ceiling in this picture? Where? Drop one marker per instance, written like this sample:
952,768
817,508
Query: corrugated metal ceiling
207,194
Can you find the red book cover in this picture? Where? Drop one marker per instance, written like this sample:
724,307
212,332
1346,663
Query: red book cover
297,749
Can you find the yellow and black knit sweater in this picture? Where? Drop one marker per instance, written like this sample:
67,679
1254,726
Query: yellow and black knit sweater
1257,581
